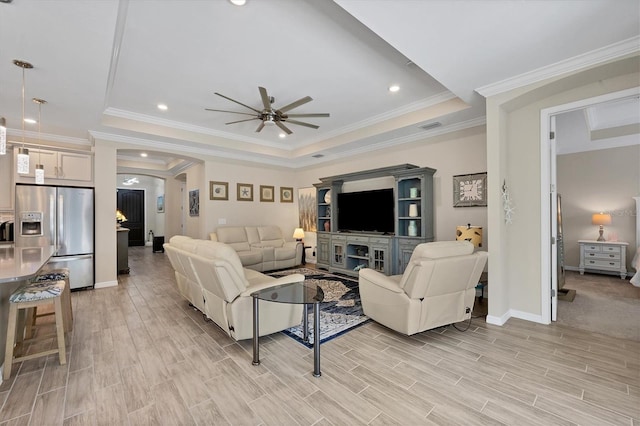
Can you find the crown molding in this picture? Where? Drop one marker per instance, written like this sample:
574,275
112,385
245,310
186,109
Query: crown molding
149,119
595,57
45,137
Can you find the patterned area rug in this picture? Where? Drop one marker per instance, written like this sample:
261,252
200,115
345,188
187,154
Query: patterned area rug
340,311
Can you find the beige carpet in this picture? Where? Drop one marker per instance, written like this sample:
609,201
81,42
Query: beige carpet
603,304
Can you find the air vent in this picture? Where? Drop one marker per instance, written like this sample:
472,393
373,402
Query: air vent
318,155
431,125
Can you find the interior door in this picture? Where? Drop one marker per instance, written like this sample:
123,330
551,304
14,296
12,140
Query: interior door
554,221
131,204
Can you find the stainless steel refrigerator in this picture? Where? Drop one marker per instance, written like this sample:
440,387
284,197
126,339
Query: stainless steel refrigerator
61,216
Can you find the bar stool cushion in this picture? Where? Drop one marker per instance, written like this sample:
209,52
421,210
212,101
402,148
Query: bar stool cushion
37,291
51,276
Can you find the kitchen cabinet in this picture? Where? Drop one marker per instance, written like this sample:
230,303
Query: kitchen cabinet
7,186
59,165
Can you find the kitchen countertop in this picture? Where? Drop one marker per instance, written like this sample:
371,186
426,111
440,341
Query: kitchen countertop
21,263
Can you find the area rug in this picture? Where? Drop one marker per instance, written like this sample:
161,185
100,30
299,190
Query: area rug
341,310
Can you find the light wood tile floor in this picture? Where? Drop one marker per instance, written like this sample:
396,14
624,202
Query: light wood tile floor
140,355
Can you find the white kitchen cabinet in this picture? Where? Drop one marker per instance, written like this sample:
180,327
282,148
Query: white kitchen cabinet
6,182
60,165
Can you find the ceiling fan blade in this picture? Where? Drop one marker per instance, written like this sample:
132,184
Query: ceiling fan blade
239,103
283,127
295,104
260,127
240,121
319,114
265,98
233,112
302,123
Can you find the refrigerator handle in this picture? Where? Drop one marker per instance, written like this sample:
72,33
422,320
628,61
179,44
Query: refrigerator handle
60,220
69,258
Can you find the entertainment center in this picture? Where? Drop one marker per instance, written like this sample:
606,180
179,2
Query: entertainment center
355,229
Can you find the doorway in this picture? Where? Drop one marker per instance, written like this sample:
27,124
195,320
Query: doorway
549,222
131,203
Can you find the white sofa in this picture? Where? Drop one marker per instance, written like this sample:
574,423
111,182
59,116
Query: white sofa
209,274
436,289
261,248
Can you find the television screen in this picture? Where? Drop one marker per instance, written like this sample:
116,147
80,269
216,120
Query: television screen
366,211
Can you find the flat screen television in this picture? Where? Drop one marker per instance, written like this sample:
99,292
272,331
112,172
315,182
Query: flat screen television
366,211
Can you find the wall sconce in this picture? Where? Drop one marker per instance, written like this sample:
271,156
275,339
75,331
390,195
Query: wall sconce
601,219
473,234
298,234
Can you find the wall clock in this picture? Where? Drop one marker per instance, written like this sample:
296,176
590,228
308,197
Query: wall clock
470,190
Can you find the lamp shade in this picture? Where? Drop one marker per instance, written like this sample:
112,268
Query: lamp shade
298,234
473,234
601,219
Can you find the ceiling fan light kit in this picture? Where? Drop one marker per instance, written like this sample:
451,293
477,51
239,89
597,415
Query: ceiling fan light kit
270,116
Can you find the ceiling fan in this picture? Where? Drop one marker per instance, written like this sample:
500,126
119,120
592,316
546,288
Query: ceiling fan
270,115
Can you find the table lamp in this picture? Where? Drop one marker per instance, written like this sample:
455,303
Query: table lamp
298,234
601,219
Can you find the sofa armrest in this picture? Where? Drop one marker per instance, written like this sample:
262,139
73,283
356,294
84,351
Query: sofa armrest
368,276
293,278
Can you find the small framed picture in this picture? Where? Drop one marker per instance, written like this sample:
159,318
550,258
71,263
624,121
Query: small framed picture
266,193
194,202
470,190
245,192
160,204
218,190
286,194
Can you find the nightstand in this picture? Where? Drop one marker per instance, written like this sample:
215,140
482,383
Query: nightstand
603,257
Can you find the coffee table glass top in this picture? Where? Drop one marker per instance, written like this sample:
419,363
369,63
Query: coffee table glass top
295,293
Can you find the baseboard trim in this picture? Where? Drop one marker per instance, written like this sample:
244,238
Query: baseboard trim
513,313
106,284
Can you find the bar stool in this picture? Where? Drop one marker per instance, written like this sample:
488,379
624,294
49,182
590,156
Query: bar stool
28,296
67,310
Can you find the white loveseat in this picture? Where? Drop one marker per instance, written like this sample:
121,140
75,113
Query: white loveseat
209,274
261,248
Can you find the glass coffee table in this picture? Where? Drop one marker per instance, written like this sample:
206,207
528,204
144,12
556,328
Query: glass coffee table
296,293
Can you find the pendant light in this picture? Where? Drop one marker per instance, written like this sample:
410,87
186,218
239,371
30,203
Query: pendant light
3,136
23,153
39,166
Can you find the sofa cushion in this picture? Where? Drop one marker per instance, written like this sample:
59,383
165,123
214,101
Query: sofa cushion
235,236
270,236
285,253
250,257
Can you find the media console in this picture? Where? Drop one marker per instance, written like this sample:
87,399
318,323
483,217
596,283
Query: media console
347,251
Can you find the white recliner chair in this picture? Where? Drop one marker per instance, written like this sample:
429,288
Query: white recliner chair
436,289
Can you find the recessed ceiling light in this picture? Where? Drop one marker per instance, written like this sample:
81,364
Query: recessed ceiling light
394,88
163,107
30,121
143,154
238,2
282,135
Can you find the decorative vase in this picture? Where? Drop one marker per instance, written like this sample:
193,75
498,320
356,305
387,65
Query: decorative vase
327,226
413,210
413,192
412,229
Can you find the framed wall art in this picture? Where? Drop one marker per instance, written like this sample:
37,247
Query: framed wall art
266,193
307,208
218,190
160,204
470,190
286,194
194,202
245,192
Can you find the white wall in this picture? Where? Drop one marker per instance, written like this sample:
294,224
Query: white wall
456,153
513,152
105,210
609,190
